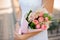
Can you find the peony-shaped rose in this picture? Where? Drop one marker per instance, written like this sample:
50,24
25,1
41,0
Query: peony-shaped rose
38,26
37,14
46,19
41,14
35,22
43,27
41,19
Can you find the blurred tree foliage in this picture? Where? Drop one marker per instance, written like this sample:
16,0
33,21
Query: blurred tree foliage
54,25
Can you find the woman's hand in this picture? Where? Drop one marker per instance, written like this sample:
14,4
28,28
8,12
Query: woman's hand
25,36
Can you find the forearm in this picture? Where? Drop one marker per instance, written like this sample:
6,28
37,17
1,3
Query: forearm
17,10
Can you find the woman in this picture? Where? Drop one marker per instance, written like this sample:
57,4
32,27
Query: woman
26,5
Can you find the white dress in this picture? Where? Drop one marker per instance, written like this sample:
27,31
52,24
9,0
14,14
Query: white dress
26,5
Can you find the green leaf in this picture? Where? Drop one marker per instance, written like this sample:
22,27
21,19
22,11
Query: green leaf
32,25
45,15
49,17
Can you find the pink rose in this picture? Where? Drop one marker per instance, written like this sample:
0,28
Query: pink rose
46,18
38,26
41,14
35,22
43,27
41,19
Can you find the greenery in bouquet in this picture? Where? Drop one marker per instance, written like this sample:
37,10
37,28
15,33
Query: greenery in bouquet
38,19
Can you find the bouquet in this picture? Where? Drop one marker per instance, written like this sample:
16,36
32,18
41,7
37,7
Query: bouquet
38,19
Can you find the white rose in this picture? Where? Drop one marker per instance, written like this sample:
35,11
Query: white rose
31,17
